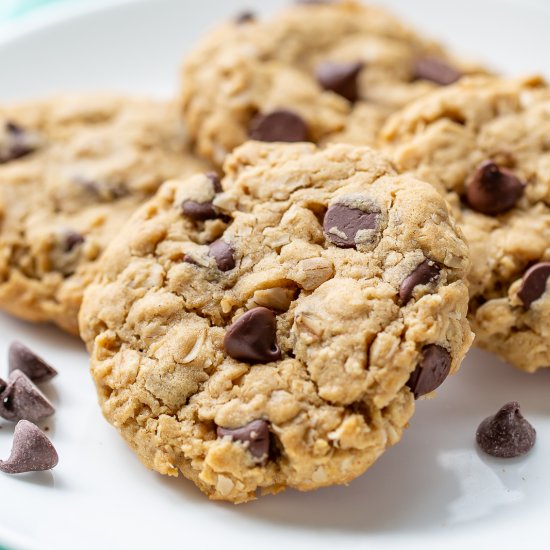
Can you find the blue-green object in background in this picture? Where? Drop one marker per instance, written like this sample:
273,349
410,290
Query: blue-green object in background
13,8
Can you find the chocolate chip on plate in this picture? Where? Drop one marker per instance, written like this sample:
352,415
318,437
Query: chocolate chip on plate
423,274
435,70
492,190
22,400
431,372
255,435
342,224
533,285
279,125
506,434
223,254
31,451
340,78
21,358
252,338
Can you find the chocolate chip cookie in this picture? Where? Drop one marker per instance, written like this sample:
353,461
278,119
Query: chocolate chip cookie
316,72
274,330
73,169
484,142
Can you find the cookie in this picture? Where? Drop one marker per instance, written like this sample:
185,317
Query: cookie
315,72
282,341
484,142
73,169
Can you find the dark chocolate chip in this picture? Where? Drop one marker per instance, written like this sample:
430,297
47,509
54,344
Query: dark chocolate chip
252,338
31,451
506,434
533,285
223,254
199,211
431,372
72,240
102,191
435,70
21,358
254,434
492,190
279,125
423,274
245,17
216,182
340,78
22,400
19,143
342,223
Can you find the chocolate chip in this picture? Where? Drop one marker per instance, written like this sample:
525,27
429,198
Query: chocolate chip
435,70
254,434
506,434
423,274
19,143
533,285
223,254
21,358
199,211
252,338
431,372
72,240
245,17
492,190
22,400
342,224
216,183
340,78
31,451
279,125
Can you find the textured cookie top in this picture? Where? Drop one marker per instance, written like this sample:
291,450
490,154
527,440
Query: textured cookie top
72,170
314,72
315,296
485,143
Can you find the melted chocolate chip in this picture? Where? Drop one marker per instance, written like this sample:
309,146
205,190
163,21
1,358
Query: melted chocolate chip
252,338
431,372
340,78
435,70
342,224
533,285
506,434
423,274
22,400
31,451
223,254
199,211
72,240
255,435
280,125
492,190
21,358
245,17
216,182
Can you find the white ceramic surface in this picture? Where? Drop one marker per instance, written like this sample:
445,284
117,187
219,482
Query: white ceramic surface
434,490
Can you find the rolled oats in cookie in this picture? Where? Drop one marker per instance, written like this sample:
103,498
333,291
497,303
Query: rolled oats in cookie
484,143
317,71
285,355
73,169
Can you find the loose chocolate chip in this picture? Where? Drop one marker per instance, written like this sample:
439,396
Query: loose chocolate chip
506,434
32,451
533,285
22,400
279,125
252,338
431,372
216,183
435,70
255,434
199,211
492,190
223,254
21,358
340,78
342,224
423,274
245,17
72,240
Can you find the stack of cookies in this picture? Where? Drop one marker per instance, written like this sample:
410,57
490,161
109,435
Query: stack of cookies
270,269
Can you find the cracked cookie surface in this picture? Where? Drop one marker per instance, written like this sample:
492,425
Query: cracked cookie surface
73,169
315,72
279,338
484,143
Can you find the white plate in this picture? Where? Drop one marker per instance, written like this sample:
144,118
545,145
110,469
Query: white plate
434,490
